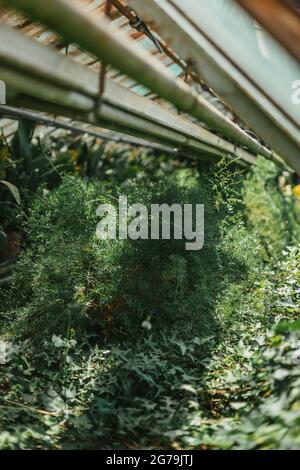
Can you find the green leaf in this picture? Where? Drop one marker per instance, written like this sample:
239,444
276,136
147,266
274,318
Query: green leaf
13,189
287,327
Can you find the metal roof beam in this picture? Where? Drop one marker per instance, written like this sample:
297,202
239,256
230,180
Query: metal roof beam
100,37
248,101
42,120
52,78
279,19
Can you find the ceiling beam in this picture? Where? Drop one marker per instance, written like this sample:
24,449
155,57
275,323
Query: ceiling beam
278,19
42,120
98,36
45,76
189,40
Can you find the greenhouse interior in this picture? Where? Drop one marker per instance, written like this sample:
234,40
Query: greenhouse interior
150,225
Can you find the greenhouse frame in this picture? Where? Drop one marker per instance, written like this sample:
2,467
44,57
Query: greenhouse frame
169,102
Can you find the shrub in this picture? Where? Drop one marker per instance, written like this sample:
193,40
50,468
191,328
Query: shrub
67,276
209,373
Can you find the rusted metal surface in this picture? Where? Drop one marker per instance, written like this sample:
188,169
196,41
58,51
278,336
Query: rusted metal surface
100,38
206,33
279,19
97,7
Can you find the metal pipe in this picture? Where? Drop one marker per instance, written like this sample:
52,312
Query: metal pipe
137,129
113,47
16,113
41,89
241,157
125,107
106,112
250,104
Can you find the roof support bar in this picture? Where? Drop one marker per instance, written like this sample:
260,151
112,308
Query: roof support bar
99,37
241,158
249,102
280,20
55,80
40,119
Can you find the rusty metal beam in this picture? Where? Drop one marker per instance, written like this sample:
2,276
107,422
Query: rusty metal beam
279,20
100,38
40,79
244,78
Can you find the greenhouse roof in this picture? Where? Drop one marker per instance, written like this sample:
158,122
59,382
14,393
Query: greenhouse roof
234,97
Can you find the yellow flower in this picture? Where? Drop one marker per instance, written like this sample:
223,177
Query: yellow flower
74,155
296,191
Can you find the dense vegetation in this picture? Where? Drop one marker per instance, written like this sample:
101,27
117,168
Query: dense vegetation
141,344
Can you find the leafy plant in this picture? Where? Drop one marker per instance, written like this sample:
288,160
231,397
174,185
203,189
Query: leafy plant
144,345
13,189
